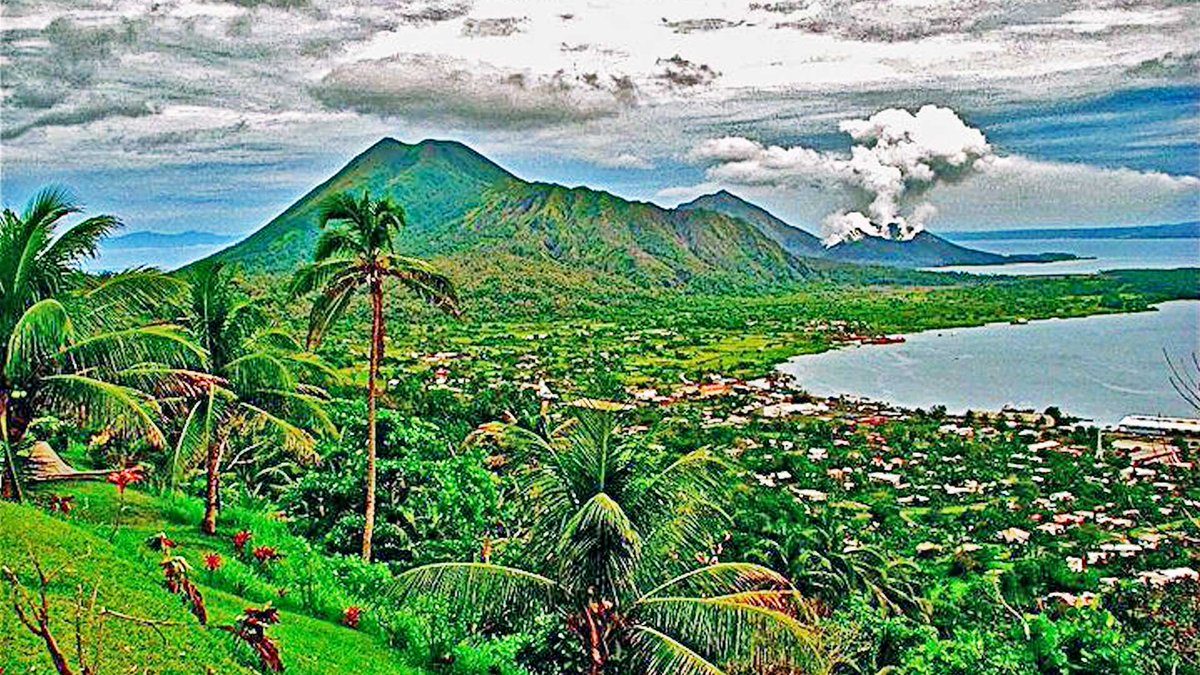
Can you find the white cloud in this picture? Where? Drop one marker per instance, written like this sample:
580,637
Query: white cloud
1018,191
623,84
897,157
624,160
1004,192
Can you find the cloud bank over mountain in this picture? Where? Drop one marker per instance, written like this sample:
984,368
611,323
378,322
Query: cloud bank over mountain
125,85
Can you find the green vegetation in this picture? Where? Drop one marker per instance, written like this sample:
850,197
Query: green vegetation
607,549
74,345
263,389
522,526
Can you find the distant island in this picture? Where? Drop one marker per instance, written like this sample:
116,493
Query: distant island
167,239
1189,230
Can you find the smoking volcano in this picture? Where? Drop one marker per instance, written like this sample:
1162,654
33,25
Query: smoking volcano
896,158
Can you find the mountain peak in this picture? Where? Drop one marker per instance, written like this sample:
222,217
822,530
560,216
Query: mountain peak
793,239
720,196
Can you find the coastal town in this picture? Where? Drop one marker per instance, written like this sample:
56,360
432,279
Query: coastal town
979,488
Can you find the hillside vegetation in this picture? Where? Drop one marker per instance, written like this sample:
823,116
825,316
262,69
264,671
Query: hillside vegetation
124,572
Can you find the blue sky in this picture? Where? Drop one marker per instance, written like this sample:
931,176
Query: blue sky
212,115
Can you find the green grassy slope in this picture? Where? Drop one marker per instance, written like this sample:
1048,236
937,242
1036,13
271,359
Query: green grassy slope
130,581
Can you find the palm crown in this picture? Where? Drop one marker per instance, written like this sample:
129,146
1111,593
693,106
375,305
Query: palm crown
612,552
77,345
264,385
356,248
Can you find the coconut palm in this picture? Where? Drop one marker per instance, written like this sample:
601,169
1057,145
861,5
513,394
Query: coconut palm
356,252
263,390
612,550
78,345
826,560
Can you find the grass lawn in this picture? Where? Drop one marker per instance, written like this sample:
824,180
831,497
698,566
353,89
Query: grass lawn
127,574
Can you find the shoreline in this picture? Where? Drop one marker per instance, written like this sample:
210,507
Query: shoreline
959,408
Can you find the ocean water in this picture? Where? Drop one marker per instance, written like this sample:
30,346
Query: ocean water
1107,254
162,257
1100,367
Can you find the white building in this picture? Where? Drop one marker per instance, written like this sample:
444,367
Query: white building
1148,424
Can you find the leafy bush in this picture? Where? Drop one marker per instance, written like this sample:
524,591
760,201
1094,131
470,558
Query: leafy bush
435,502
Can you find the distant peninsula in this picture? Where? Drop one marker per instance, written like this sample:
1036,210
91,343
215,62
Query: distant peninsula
1189,230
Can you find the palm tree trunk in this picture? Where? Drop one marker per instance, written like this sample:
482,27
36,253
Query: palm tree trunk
372,377
10,484
212,501
594,643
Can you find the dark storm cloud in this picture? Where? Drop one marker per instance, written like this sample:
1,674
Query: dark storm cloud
82,114
498,27
679,72
701,25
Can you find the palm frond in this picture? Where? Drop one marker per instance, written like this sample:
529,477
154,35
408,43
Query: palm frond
123,410
683,505
196,438
48,206
424,280
259,371
494,590
600,548
166,383
306,409
336,241
81,241
342,206
311,369
332,301
721,579
39,335
294,440
115,299
162,344
656,653
274,338
760,627
27,282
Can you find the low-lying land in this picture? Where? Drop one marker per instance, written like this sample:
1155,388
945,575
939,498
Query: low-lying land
571,470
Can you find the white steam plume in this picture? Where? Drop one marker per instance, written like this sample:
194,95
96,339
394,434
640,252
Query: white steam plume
897,157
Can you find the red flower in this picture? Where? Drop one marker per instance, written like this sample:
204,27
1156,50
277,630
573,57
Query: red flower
240,539
125,477
265,554
352,616
213,562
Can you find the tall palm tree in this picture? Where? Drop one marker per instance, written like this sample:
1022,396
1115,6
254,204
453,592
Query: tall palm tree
355,252
78,345
263,384
612,549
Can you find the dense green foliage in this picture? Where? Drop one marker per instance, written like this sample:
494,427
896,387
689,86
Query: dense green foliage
436,501
697,532
76,345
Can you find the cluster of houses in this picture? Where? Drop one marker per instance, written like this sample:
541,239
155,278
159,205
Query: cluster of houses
967,464
858,462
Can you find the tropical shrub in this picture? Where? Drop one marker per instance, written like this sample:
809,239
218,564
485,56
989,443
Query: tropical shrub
435,502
